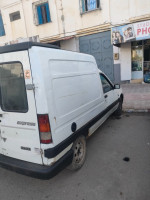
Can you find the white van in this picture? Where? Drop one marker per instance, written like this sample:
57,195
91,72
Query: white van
51,100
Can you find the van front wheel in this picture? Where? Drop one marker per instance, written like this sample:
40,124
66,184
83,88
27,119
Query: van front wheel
79,148
118,112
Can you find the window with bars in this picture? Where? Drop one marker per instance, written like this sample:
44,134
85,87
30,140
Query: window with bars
88,5
43,13
2,30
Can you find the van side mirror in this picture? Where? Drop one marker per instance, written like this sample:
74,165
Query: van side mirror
116,86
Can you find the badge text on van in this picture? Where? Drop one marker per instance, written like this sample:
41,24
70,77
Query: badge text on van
26,148
26,123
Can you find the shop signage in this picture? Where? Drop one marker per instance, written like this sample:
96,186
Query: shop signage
131,32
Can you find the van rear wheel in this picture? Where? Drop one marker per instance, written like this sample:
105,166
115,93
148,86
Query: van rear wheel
79,148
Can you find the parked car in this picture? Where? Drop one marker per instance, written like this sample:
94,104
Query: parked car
51,100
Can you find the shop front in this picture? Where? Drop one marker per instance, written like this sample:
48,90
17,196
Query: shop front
138,35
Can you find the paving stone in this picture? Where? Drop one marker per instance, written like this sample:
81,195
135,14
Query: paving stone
136,97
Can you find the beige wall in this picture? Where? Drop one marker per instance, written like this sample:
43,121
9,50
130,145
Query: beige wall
67,19
72,22
70,44
75,21
126,11
14,29
65,16
25,26
125,61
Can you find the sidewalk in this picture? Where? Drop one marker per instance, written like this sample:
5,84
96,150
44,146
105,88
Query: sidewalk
136,97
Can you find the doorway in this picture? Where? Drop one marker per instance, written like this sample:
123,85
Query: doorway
146,64
137,61
141,61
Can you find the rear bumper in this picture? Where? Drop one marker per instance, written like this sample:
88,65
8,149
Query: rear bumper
36,170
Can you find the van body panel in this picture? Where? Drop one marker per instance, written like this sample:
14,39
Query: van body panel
93,128
64,85
70,83
36,170
19,135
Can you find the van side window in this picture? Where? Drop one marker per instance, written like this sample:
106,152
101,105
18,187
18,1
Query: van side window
13,96
105,84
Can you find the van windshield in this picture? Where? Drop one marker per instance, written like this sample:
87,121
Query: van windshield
13,97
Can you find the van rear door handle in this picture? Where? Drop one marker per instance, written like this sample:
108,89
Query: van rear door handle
106,96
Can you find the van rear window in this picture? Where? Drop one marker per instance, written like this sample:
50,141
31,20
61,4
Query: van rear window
13,97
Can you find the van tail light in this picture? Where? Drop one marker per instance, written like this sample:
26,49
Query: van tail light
44,128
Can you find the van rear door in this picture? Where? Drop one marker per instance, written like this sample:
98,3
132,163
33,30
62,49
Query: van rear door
19,134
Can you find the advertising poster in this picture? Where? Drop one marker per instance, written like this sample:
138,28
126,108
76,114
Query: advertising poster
131,32
142,30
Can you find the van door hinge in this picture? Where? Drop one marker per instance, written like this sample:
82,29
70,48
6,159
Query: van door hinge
38,151
30,87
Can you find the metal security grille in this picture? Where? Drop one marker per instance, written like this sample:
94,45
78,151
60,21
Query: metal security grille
99,45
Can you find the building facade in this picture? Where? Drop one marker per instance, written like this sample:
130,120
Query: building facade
82,25
130,36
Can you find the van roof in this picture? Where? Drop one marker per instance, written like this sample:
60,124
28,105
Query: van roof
24,46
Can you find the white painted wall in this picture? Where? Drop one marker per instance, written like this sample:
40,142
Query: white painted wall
125,61
67,19
25,27
71,44
116,50
122,11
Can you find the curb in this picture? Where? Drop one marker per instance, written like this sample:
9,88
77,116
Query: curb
136,110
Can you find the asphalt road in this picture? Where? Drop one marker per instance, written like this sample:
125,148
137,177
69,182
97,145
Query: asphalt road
104,176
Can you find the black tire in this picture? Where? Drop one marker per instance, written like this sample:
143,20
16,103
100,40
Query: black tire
79,148
118,112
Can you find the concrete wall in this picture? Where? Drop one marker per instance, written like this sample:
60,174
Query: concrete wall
15,29
75,21
71,44
116,50
66,17
125,61
25,26
127,11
